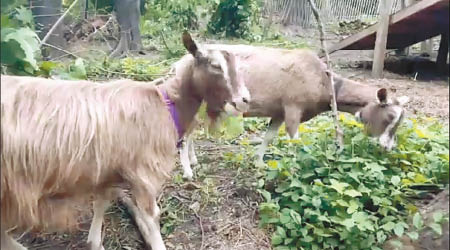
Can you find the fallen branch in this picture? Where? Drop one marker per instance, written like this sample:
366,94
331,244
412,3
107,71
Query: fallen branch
201,228
57,48
132,74
44,40
339,133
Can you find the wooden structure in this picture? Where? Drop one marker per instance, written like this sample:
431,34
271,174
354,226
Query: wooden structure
381,39
415,23
418,22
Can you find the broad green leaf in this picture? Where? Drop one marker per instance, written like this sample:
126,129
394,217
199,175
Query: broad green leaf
323,218
352,193
438,216
307,239
295,197
417,221
272,175
381,237
321,232
285,218
265,194
287,241
362,221
413,235
399,229
281,232
316,201
342,203
348,223
388,226
353,207
24,15
28,42
338,186
436,228
296,183
374,167
296,217
354,176
364,189
277,239
395,180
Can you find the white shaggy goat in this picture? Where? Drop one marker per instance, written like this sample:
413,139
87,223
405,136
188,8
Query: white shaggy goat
63,142
292,86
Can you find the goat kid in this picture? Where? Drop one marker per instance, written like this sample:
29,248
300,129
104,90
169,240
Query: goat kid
293,86
63,142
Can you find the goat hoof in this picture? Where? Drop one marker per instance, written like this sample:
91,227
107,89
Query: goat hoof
91,247
188,175
194,161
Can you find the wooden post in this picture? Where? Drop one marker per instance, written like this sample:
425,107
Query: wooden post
441,59
381,40
83,9
403,51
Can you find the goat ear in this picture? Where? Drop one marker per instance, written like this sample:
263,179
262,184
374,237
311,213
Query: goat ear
402,100
382,95
189,43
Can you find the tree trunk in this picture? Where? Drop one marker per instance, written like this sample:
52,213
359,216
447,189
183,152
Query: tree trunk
128,14
46,13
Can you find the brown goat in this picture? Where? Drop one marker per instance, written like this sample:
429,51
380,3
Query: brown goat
293,86
63,142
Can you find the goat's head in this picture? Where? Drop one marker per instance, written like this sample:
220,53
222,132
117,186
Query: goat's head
216,79
383,117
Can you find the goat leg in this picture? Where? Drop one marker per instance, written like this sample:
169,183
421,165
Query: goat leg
271,133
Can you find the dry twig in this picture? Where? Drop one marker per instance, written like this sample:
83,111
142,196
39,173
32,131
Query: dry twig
201,228
63,50
339,133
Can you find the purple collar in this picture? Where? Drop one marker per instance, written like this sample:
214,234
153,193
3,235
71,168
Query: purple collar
173,112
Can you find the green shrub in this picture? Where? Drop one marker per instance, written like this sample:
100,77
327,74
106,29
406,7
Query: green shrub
356,200
233,18
20,50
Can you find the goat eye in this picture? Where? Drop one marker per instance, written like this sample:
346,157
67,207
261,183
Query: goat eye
215,65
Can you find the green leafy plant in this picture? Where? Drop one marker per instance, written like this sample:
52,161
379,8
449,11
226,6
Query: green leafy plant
19,49
233,18
316,200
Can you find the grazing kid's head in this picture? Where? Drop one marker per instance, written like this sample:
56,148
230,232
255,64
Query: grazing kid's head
382,118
